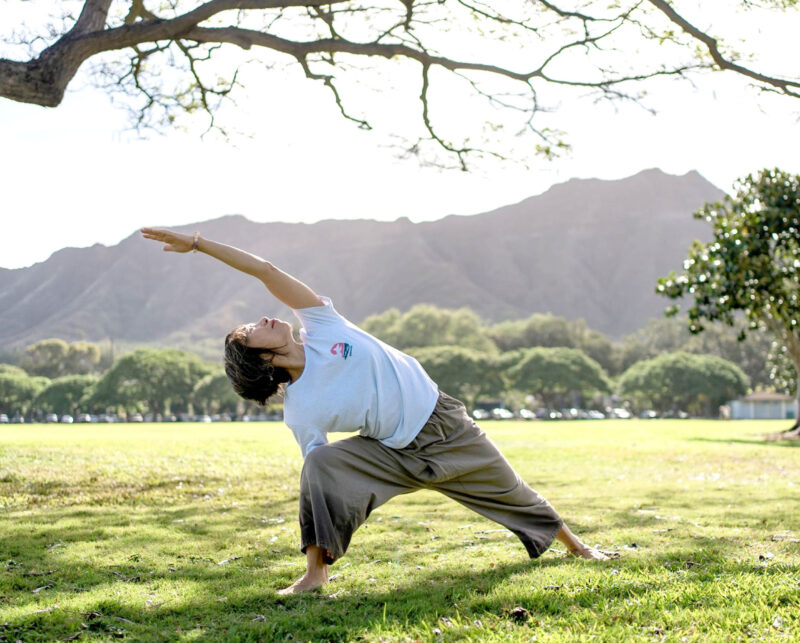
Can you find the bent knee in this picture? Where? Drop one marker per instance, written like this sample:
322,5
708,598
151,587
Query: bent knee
322,458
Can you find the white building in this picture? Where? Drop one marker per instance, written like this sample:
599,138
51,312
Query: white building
764,405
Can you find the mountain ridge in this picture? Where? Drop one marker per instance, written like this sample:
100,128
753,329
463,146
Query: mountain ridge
585,248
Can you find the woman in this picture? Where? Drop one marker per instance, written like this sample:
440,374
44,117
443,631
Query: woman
410,435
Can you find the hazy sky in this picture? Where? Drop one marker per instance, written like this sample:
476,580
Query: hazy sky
72,176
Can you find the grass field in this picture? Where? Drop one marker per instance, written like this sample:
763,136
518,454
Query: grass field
185,532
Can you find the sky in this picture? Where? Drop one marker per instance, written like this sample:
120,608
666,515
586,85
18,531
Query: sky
75,176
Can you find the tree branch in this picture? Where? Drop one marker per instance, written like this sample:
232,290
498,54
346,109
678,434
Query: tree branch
321,32
788,87
246,38
93,17
43,80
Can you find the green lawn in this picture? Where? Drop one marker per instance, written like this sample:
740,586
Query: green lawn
185,532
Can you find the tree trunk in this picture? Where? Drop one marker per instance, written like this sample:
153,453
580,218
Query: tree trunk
794,431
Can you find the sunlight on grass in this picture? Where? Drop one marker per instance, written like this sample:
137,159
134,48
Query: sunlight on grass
186,532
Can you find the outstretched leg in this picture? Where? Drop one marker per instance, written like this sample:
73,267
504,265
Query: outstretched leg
469,468
576,547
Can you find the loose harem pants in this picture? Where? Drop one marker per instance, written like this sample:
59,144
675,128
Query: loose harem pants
344,481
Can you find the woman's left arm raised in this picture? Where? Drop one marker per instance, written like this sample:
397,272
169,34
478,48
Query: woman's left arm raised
283,286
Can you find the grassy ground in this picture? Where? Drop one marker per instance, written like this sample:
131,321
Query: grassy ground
185,532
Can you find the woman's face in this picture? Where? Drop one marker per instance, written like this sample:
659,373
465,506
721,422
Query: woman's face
268,333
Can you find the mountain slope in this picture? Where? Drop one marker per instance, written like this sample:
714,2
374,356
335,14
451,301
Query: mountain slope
584,248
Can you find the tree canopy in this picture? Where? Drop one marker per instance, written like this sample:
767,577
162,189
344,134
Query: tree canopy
149,379
11,369
55,358
512,58
550,330
550,372
428,325
66,394
672,335
17,392
463,373
751,266
214,394
701,383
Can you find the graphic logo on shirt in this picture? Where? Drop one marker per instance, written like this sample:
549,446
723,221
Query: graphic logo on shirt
342,348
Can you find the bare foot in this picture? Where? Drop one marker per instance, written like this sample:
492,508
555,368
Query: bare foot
590,553
316,573
578,549
305,584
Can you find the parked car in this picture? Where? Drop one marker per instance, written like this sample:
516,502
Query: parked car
136,417
648,414
502,414
3,418
85,417
480,414
575,414
67,419
682,415
526,414
548,414
594,414
51,418
622,414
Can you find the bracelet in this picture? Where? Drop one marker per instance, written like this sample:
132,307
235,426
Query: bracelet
196,242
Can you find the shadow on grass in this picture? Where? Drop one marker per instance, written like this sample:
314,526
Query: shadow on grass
754,442
65,491
231,607
237,600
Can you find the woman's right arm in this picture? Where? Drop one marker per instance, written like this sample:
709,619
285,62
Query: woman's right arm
287,289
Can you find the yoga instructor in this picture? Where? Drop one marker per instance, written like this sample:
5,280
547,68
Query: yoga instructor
410,435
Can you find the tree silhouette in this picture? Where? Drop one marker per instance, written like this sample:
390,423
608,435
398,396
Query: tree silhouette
176,57
751,266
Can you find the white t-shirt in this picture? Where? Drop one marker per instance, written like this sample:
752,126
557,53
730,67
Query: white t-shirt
352,381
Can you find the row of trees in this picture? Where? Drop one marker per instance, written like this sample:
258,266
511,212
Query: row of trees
563,362
171,381
561,376
158,381
426,325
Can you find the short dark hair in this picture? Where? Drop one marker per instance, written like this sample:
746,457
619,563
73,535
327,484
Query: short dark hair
252,377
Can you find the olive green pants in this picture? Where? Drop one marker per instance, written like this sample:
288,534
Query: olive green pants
344,481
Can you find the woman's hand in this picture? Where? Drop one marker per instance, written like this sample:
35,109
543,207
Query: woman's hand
174,241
